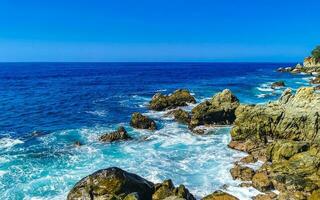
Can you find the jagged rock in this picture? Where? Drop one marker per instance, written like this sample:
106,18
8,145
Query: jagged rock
77,144
277,84
111,183
249,159
220,195
292,117
266,196
132,196
242,172
166,190
178,98
292,196
284,149
245,184
219,110
181,116
262,182
120,134
142,122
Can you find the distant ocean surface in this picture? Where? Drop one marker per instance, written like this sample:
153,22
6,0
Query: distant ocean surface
71,102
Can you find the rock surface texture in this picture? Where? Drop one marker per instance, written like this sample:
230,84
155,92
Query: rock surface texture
286,134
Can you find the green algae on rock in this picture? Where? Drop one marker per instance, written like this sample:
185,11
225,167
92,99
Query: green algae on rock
180,116
140,121
166,190
219,110
160,102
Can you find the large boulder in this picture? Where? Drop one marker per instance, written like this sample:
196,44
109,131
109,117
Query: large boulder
166,190
220,110
120,134
262,182
178,98
112,184
220,195
140,121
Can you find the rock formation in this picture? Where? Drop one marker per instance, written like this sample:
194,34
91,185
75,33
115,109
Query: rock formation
120,134
286,134
220,195
178,98
140,121
181,116
219,110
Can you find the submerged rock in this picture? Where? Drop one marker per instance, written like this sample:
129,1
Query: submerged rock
112,183
277,84
120,134
219,110
315,80
220,195
181,116
178,98
166,190
140,121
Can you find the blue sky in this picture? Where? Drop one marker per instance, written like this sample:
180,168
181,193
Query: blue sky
158,30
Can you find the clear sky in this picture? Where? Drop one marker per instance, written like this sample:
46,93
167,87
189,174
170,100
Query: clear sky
158,30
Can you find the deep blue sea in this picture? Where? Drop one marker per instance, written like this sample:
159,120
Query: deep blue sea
71,102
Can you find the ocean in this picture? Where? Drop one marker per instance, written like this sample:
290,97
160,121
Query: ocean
68,102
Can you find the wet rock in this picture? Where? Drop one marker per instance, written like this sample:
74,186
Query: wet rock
178,98
140,121
315,80
132,196
242,172
181,116
245,184
262,182
111,183
266,196
292,196
166,190
120,134
277,84
220,195
249,159
39,133
220,110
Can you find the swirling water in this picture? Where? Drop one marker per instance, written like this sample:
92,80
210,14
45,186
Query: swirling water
70,102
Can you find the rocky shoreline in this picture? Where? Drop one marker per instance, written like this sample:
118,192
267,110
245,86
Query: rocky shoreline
284,135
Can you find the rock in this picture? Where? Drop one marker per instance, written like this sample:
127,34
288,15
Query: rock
120,134
292,117
77,144
181,116
315,195
178,98
277,84
292,196
166,190
266,196
296,70
284,149
111,183
219,110
132,196
249,159
220,195
140,121
39,133
311,62
262,182
245,184
242,172
315,80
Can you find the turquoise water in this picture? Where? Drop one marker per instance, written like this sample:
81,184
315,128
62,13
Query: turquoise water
80,101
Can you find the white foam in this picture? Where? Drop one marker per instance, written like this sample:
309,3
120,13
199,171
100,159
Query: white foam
100,113
8,142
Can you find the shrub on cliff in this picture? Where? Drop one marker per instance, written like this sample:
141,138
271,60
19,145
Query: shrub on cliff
316,53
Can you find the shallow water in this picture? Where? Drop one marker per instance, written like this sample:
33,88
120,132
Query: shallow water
76,101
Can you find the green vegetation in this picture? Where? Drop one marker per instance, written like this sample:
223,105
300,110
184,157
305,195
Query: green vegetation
316,53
